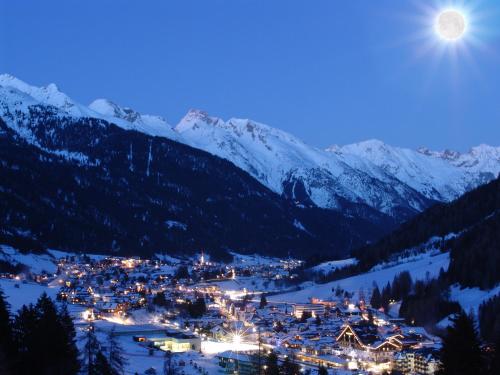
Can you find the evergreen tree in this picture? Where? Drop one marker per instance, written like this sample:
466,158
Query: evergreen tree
376,300
322,370
90,350
386,296
279,326
271,366
494,364
198,308
263,301
401,285
160,300
305,315
6,340
168,367
289,368
182,273
101,366
317,321
461,353
116,358
489,319
25,341
70,351
54,335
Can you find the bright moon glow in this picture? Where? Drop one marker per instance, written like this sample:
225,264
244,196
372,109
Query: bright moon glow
450,25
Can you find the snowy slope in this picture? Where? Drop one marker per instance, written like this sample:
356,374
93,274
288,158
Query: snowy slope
333,265
130,119
471,298
48,95
36,263
420,268
24,294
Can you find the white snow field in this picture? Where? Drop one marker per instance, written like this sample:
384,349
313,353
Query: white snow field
24,293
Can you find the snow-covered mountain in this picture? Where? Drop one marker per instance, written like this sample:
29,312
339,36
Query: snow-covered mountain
441,176
364,176
389,179
130,119
18,96
289,166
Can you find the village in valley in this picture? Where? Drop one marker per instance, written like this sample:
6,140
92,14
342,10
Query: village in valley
197,316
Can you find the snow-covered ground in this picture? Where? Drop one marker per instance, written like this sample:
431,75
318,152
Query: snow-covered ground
471,298
333,265
36,262
24,293
249,284
425,266
253,260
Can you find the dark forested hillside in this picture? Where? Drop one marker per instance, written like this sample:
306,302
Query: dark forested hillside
87,185
474,251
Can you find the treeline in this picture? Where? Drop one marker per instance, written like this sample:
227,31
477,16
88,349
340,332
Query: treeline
462,352
422,302
475,255
428,304
489,319
401,286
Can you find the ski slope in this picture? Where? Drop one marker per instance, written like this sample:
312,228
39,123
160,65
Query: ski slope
422,267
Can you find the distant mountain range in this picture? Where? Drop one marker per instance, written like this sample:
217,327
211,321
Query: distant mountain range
331,200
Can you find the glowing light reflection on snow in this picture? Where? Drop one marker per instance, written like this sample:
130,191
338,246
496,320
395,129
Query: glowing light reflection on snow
214,347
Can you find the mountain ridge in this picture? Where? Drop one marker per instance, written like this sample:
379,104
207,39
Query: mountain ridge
395,181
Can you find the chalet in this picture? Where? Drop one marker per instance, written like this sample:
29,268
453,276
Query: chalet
366,338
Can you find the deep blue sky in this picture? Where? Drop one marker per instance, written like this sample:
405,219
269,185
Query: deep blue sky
327,71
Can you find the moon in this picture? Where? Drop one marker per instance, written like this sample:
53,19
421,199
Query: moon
450,25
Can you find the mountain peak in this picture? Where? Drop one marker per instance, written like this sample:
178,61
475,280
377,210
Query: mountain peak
128,118
49,95
108,108
196,118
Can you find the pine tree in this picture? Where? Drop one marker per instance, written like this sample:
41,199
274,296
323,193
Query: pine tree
289,368
494,364
376,300
317,321
101,366
271,366
55,339
461,353
263,301
25,341
70,351
116,358
91,348
168,366
322,370
6,339
386,296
